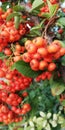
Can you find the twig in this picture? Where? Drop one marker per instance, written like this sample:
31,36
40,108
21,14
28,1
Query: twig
51,21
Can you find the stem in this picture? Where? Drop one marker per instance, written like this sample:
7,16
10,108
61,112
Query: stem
51,22
45,33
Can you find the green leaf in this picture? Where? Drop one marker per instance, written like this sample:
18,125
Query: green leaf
57,88
20,129
32,94
36,31
17,21
61,21
52,8
36,4
25,69
9,17
47,15
2,56
38,26
18,8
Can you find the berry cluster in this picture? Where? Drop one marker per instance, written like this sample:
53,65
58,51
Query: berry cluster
43,76
42,56
15,52
8,31
12,114
11,102
15,80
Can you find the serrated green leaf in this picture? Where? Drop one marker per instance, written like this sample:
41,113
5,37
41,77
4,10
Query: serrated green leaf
12,15
36,4
17,21
25,69
61,21
18,8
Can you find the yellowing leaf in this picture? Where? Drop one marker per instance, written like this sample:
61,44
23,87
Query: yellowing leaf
57,89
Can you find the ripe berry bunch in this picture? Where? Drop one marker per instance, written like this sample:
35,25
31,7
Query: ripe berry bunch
42,56
19,84
43,76
44,9
9,107
15,52
15,80
7,116
12,107
19,50
12,114
8,31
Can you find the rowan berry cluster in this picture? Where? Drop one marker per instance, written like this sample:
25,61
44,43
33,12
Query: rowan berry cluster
11,102
42,56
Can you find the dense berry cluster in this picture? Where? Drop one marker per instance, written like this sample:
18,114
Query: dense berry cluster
15,80
11,104
9,114
42,56
8,31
